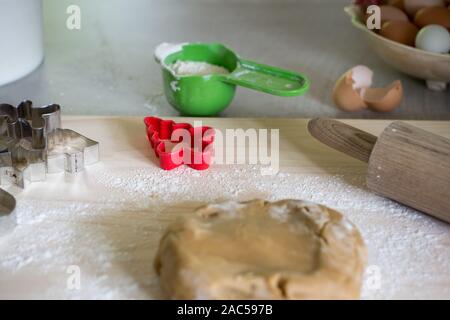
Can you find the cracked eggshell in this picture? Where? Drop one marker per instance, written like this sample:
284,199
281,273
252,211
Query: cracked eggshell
353,92
384,99
347,91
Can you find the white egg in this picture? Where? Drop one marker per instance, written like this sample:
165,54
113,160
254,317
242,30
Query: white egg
433,38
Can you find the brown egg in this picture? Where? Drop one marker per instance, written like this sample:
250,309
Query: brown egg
390,13
433,15
397,3
412,6
400,31
384,99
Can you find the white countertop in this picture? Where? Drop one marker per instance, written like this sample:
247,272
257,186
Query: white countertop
107,67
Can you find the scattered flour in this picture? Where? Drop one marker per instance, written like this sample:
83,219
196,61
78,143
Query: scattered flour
190,68
113,239
229,207
279,213
157,104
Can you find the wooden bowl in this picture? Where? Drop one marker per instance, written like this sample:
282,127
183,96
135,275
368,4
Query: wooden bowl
434,68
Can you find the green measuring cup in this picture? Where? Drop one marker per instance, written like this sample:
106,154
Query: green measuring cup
207,95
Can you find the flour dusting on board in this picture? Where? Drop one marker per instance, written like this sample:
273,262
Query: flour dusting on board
114,239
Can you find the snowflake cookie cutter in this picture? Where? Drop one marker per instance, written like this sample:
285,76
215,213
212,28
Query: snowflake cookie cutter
160,133
32,144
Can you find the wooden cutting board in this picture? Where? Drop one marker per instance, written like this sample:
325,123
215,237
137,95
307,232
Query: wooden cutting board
106,222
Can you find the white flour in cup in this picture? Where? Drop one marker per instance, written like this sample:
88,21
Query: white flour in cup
191,68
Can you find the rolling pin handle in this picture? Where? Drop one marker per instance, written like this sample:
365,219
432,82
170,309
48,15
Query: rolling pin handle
342,137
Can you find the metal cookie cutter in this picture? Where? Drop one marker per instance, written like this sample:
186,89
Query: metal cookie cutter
32,144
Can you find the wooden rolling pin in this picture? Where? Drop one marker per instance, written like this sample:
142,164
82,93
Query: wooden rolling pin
406,164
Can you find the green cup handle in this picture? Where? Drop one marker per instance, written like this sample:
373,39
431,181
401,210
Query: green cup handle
268,79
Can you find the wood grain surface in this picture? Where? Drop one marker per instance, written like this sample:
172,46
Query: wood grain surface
108,220
412,166
339,136
407,164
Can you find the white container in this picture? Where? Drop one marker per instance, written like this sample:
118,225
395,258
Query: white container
21,38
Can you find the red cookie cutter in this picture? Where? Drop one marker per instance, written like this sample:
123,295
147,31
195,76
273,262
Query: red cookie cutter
196,153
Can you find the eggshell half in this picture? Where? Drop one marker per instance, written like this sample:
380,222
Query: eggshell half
384,99
345,97
347,91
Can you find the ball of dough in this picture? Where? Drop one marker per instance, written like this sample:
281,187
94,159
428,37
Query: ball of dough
261,250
